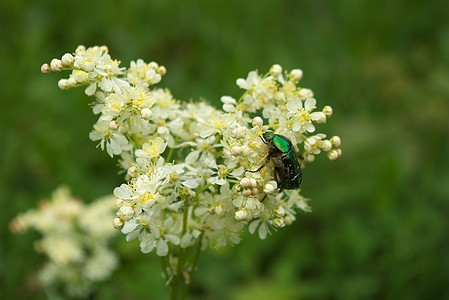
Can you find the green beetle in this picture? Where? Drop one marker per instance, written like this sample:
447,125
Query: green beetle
287,170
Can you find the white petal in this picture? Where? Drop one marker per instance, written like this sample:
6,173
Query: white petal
310,103
253,226
132,235
186,240
228,100
90,90
162,248
237,172
235,239
310,127
192,157
294,105
147,246
201,211
296,126
129,226
241,83
190,183
262,231
172,239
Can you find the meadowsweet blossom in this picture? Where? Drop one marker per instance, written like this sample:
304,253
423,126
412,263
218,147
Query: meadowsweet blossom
75,239
187,163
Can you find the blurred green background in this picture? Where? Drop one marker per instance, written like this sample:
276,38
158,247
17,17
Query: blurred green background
379,227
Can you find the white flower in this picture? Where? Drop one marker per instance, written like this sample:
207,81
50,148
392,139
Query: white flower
152,149
75,241
301,117
251,82
114,141
191,166
156,236
229,103
260,224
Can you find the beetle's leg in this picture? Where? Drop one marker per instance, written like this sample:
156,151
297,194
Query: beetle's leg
269,145
264,164
263,198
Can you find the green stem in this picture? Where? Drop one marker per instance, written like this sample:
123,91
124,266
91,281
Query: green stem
177,279
204,188
164,267
193,265
170,153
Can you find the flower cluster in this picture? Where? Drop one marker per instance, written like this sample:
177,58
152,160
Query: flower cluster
187,163
75,238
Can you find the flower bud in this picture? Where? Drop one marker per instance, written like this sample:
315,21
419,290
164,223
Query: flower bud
80,49
113,125
126,213
257,121
238,132
333,154
247,192
236,150
326,145
219,210
309,157
339,152
253,182
67,60
279,211
132,171
56,65
119,203
276,70
243,215
146,114
305,93
335,140
254,191
104,48
296,74
153,65
238,188
288,220
118,223
269,188
45,68
162,70
245,183
245,150
71,82
278,222
62,84
327,110
319,117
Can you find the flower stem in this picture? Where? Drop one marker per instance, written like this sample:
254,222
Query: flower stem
177,280
193,265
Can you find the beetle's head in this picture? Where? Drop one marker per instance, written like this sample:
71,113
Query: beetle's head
268,135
